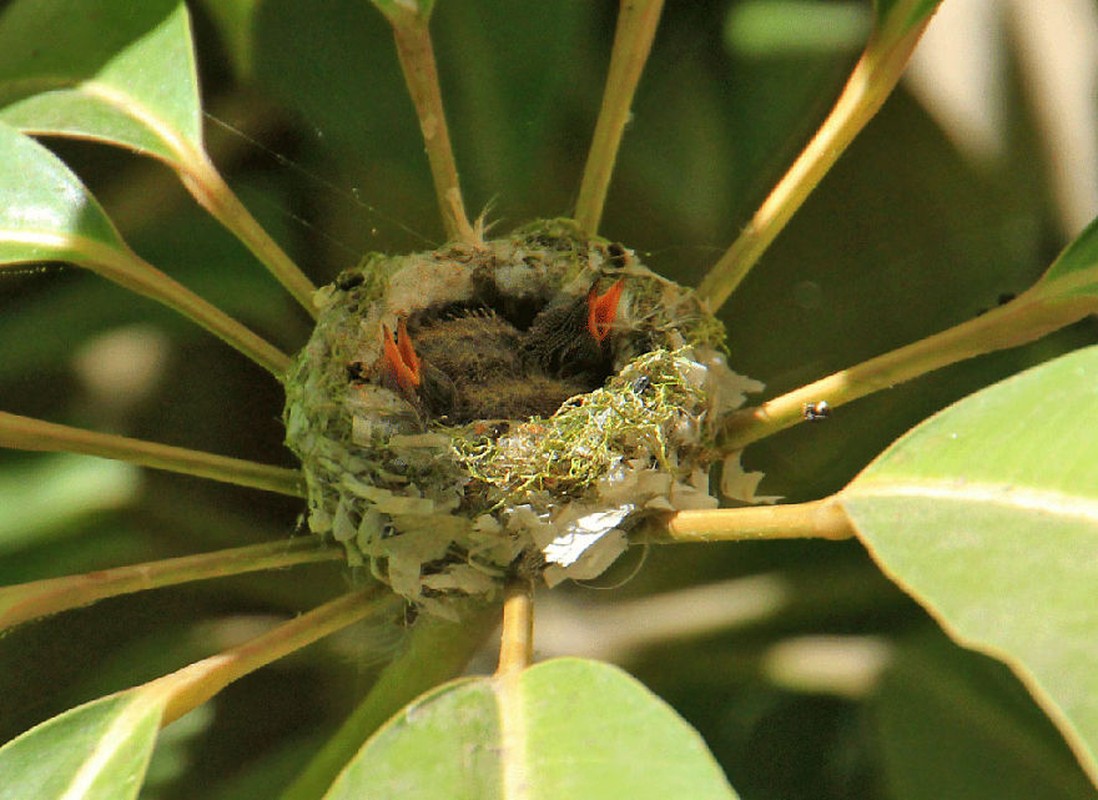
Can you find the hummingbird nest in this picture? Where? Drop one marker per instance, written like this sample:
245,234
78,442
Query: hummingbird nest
514,405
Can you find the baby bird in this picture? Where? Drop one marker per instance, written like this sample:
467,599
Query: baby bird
478,365
569,340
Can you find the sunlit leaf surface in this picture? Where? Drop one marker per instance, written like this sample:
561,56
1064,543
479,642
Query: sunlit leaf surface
568,728
98,751
988,515
46,214
1075,270
952,723
122,73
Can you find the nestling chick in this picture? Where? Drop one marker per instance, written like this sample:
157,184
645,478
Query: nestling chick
569,340
475,364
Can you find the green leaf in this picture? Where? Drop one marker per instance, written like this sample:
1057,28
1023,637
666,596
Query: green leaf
110,70
952,723
564,728
46,214
124,74
1074,273
987,514
97,751
188,245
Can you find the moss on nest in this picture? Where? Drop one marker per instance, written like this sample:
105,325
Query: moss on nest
519,435
651,409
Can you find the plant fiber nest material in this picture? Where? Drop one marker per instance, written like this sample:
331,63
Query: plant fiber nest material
512,406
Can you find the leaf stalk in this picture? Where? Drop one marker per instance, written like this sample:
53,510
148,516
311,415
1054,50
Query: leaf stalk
516,650
819,519
871,82
190,687
417,62
26,433
27,601
209,189
636,29
1026,318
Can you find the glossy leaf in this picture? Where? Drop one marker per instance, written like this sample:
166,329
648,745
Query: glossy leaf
187,245
1075,270
567,728
46,214
97,751
119,72
952,723
125,75
987,514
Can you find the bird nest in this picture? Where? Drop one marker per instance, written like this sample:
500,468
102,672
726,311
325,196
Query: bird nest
510,406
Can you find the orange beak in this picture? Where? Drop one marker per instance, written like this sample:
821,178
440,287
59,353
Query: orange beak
400,357
602,308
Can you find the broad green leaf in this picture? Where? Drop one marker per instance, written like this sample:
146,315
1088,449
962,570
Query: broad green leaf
954,724
97,751
565,728
110,70
188,245
46,214
1075,270
124,74
987,514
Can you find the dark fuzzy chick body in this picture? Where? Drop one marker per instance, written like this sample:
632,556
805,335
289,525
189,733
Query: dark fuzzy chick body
477,365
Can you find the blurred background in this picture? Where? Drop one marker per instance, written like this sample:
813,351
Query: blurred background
808,673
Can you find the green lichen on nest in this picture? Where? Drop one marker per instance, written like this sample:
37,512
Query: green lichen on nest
439,508
650,410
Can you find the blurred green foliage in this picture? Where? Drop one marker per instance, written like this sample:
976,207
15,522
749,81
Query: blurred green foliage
903,239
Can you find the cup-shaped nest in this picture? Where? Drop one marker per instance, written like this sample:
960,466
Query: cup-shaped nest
513,406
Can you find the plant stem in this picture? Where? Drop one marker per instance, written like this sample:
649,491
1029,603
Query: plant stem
27,601
819,519
190,687
127,269
417,61
436,651
873,79
515,654
636,28
1024,319
26,433
204,182
517,637
201,178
